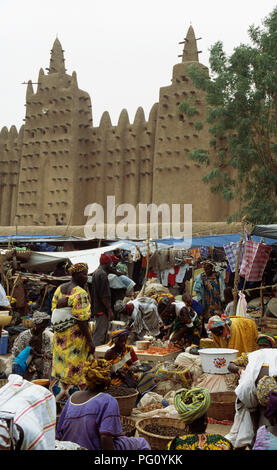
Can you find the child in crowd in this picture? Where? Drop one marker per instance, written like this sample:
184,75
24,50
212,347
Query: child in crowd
31,353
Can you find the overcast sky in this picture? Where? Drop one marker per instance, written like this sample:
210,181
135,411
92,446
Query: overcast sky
122,50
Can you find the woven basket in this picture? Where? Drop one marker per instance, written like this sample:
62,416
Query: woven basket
158,442
131,423
222,406
27,323
126,403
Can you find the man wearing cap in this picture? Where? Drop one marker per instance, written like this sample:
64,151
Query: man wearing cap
101,299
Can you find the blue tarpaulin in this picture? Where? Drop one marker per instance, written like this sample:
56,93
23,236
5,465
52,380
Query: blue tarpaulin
213,240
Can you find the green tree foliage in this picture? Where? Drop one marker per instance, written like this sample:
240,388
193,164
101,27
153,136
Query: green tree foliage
241,94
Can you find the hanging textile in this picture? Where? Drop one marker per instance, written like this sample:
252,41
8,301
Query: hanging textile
204,251
231,251
241,310
195,253
255,258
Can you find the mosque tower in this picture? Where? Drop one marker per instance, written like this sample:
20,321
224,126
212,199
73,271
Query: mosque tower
176,136
55,113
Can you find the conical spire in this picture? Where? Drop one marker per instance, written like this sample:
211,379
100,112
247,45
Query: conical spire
57,58
190,52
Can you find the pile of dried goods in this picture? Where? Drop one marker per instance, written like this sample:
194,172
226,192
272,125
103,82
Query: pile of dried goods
159,430
151,407
128,429
120,391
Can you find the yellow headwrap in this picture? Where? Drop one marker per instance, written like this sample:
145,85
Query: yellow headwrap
192,404
117,334
97,373
78,268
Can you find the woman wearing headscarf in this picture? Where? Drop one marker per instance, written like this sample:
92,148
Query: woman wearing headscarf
209,288
91,418
40,322
234,332
266,437
167,314
72,340
192,406
123,359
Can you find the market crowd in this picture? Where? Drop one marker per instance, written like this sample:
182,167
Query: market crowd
84,311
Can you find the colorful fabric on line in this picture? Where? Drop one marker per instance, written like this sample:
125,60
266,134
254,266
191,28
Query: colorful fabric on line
192,404
231,251
70,348
265,385
35,412
254,260
204,251
205,441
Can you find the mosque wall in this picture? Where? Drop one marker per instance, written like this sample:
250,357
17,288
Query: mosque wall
58,162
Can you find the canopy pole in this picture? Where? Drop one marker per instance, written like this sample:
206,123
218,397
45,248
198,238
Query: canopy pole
235,289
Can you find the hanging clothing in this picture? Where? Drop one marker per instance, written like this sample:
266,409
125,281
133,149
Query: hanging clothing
254,260
231,250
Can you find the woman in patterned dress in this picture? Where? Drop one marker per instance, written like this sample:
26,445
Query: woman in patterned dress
72,340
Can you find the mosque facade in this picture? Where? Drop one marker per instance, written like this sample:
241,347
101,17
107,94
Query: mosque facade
58,162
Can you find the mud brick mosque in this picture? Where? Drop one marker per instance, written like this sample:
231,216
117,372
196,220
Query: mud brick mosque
58,162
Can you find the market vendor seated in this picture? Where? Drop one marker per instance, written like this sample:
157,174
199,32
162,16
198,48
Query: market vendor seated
186,328
123,359
29,362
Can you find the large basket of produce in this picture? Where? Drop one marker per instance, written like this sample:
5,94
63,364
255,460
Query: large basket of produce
128,426
126,398
158,432
222,406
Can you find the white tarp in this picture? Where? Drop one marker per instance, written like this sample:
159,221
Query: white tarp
41,261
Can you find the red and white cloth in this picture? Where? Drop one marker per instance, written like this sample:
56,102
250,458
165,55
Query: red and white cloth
255,258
